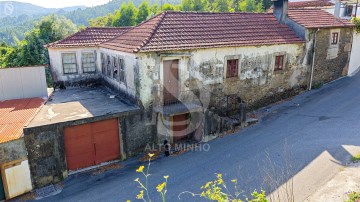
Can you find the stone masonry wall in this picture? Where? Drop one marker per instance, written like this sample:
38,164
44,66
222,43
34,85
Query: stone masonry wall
331,61
46,149
13,150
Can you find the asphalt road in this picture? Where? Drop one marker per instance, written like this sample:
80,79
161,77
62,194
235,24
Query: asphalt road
309,137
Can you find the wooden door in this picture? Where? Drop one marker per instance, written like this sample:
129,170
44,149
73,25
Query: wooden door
91,144
179,127
171,81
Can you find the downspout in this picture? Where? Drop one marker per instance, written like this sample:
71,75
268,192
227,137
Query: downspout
313,60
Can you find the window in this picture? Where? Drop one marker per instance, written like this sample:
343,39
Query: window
116,69
88,62
279,62
334,38
103,63
69,63
122,71
232,68
108,66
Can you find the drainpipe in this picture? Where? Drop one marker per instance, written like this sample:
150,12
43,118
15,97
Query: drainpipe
313,60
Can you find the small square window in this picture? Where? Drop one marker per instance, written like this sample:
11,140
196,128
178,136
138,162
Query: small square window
334,38
232,68
69,63
279,62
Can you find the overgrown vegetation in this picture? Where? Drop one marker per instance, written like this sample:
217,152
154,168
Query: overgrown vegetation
353,196
215,190
355,158
356,21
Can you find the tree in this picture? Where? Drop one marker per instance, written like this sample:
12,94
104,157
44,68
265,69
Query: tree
31,51
126,16
221,5
186,5
235,5
103,21
143,12
168,7
198,5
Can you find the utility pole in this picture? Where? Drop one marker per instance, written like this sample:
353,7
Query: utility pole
356,8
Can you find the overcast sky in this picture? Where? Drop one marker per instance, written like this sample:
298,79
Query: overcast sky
64,3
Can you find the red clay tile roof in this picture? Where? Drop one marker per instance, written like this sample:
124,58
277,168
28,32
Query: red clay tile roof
89,37
191,30
316,18
14,115
306,4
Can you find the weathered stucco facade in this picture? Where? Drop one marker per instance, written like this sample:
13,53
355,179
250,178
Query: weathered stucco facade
75,79
204,70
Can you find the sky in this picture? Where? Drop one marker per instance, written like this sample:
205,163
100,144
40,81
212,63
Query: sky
63,3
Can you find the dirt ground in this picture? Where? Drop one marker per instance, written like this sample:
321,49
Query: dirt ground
335,190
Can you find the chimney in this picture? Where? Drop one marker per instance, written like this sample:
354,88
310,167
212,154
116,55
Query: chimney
281,10
337,8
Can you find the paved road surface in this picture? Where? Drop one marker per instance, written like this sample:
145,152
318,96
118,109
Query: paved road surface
310,141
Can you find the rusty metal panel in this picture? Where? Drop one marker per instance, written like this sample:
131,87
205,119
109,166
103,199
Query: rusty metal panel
79,147
106,140
93,143
16,178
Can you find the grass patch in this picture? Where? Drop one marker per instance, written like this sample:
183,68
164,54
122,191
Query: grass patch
355,158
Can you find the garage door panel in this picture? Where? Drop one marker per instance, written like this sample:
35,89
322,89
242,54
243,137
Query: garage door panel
107,146
90,144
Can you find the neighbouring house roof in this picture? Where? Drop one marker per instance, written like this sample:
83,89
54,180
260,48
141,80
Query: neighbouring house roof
306,4
192,30
89,37
316,18
15,114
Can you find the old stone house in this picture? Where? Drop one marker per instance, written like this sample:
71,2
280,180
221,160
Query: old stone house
177,76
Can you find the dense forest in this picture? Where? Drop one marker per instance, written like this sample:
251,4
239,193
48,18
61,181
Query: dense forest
22,38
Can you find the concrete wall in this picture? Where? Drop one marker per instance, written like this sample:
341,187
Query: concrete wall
354,64
46,149
13,150
22,82
205,69
79,78
331,61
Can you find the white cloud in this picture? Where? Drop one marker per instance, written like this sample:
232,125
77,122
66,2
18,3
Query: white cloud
64,3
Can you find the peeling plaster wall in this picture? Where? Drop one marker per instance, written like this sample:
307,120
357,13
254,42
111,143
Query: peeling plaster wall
331,61
130,64
204,69
77,78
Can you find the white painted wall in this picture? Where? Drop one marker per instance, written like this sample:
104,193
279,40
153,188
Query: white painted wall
354,65
130,67
55,55
22,82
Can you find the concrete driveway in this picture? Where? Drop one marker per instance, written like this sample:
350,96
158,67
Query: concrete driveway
300,145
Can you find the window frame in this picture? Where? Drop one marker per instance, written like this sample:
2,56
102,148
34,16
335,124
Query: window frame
108,66
82,62
334,35
103,63
230,72
122,72
63,62
277,66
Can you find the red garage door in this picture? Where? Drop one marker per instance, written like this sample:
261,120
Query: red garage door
91,144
